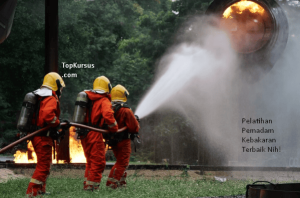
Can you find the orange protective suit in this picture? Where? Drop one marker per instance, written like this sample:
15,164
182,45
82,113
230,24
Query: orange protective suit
117,175
93,145
48,114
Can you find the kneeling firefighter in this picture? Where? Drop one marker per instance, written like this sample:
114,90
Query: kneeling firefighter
94,109
120,142
44,105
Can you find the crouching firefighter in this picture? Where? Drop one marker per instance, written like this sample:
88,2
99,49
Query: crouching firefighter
42,107
120,142
94,108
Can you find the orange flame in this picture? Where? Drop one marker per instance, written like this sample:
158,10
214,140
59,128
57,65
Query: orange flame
241,6
76,151
21,157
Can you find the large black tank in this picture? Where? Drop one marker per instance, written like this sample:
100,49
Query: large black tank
7,12
258,37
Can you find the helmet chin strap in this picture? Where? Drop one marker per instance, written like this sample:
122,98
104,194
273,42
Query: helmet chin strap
109,87
58,93
117,102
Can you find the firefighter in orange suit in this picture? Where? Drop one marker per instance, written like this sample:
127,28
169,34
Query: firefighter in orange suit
120,142
99,115
47,113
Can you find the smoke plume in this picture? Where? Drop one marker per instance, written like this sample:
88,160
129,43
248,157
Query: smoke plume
200,77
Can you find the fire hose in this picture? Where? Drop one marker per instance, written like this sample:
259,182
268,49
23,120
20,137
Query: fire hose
48,127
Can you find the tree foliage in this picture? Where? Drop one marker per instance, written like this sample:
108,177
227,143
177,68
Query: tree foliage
123,39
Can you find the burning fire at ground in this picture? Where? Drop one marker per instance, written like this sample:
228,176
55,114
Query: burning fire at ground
76,152
22,157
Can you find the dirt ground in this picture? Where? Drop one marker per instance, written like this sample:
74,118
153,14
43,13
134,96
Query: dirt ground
6,174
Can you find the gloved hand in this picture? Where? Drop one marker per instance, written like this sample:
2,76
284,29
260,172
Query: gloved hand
81,132
57,128
135,135
54,134
137,118
57,132
67,126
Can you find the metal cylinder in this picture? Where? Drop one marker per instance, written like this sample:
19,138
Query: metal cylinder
7,12
27,111
258,37
80,108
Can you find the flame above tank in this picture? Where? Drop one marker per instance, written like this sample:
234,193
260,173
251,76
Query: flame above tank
258,31
248,24
241,6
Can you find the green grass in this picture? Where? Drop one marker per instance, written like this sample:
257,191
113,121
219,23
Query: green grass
136,187
6,155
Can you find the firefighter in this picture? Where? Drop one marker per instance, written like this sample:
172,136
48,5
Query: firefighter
47,113
120,143
100,115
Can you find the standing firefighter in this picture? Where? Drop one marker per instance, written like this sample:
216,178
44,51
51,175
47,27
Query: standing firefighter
99,114
46,113
120,143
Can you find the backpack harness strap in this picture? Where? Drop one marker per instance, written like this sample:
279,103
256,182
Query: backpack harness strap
82,133
112,139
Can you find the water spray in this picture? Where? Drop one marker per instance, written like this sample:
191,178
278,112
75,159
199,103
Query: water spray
203,76
258,45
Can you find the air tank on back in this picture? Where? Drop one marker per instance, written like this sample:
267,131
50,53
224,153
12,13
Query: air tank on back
27,111
81,105
258,30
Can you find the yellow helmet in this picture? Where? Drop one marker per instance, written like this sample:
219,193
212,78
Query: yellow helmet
102,84
119,93
51,81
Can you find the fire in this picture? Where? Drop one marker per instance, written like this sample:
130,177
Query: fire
76,151
22,157
241,6
248,25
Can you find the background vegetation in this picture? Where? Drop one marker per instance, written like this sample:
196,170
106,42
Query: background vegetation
124,40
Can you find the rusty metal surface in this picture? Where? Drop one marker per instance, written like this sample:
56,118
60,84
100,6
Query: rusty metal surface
63,151
288,190
262,193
